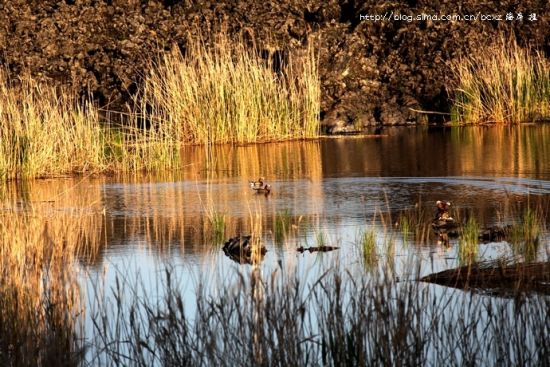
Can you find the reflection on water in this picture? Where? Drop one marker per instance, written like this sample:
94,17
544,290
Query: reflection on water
331,186
325,193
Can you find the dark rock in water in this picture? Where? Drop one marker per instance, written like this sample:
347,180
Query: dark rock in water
240,249
495,233
372,72
497,277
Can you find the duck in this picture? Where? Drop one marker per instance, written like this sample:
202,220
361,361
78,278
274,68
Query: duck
442,211
266,189
259,183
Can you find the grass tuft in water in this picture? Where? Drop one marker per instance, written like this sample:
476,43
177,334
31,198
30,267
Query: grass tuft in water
217,225
468,243
367,243
525,234
415,222
283,225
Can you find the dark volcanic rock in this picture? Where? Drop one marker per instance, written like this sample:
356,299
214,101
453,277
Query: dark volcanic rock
372,72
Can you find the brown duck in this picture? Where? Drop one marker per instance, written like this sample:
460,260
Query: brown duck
259,183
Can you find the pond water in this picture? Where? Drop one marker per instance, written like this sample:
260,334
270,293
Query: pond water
325,192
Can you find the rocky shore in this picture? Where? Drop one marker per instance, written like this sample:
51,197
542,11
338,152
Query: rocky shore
373,72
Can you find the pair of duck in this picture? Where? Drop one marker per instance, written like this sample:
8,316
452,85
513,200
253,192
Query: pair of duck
260,186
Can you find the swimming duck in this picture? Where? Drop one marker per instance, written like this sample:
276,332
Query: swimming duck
442,211
259,183
266,189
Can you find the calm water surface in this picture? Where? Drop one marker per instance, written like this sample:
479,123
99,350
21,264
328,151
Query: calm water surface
329,190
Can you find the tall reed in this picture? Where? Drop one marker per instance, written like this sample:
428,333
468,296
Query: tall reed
340,319
229,93
47,132
504,83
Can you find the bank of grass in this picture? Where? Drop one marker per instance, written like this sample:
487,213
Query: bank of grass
504,83
49,132
226,93
230,92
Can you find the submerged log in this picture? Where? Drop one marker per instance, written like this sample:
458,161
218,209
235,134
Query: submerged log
497,277
302,249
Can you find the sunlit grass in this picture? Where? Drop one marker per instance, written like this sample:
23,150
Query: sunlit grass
229,93
47,132
503,84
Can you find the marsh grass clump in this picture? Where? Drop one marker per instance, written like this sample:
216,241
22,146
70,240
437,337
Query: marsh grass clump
367,244
469,239
415,222
524,236
228,92
47,132
504,83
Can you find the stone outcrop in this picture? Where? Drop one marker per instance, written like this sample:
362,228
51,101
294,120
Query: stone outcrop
372,72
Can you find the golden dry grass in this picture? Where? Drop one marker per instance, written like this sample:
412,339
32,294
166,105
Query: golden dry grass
47,132
229,93
504,83
224,94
